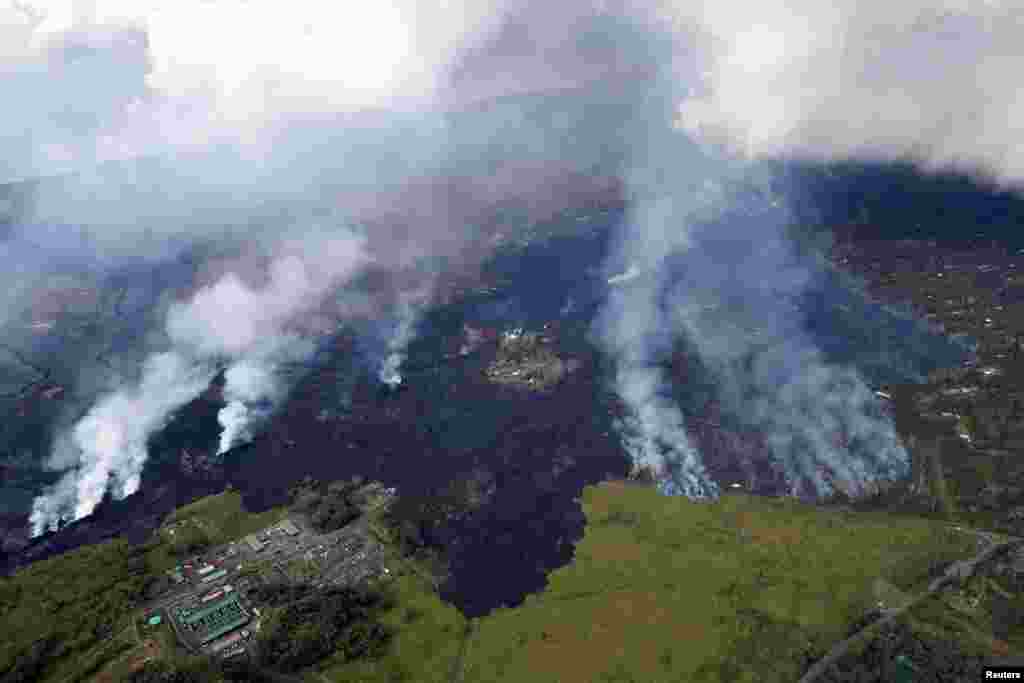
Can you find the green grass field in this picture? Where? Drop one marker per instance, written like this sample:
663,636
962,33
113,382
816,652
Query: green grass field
66,617
668,590
224,518
660,589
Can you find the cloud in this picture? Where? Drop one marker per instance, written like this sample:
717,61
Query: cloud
926,81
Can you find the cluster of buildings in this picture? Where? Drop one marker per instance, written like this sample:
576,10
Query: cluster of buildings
212,619
211,608
974,413
212,615
258,541
196,572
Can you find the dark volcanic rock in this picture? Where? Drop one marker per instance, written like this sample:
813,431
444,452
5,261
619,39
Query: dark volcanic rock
201,465
522,459
14,534
524,456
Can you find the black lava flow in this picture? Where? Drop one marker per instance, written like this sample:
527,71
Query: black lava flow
536,450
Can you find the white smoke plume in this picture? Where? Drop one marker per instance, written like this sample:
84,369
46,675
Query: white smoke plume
798,80
248,387
231,318
227,321
737,304
635,327
109,443
323,105
822,82
249,325
717,268
410,308
302,116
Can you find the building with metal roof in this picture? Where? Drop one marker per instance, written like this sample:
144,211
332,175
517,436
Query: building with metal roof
218,619
219,574
226,642
288,526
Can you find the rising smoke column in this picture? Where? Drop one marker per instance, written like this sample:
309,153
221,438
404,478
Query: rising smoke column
410,308
230,140
252,327
654,432
224,148
736,300
249,389
793,80
671,184
706,244
228,322
109,443
214,147
846,80
706,257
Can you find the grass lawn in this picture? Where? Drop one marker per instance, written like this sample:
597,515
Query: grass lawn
669,589
224,518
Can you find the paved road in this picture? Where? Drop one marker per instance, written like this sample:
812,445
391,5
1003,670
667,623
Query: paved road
958,571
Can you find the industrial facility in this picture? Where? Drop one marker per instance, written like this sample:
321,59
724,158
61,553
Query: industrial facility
209,623
213,614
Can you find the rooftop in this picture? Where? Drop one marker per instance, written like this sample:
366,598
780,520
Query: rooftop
289,527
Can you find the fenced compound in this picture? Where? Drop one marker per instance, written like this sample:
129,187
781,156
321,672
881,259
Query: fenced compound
224,616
